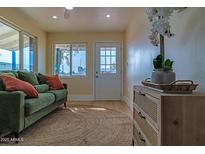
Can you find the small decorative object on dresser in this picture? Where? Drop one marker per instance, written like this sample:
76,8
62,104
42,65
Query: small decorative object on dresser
163,72
159,18
168,119
177,87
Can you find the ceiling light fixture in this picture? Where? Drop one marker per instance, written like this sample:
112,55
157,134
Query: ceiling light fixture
55,17
108,16
67,12
69,8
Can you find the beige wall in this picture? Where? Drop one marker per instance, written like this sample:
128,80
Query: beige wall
187,48
24,22
79,85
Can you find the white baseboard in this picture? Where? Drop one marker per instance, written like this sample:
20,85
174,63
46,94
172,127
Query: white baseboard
81,98
128,102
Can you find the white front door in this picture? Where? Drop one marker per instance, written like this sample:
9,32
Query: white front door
108,71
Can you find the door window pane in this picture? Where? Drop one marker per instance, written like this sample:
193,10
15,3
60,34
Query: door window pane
113,68
9,48
102,59
107,51
113,51
102,68
113,60
102,51
108,60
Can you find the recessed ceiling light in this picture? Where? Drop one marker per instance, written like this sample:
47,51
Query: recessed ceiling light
108,16
69,8
55,17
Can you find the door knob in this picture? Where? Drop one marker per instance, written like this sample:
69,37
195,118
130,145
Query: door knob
96,74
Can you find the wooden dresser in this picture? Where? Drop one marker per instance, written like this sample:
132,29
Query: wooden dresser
168,119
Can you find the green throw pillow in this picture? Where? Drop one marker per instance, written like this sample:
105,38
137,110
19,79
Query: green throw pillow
10,71
42,88
28,77
41,78
8,74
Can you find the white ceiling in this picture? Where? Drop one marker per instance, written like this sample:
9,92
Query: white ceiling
81,19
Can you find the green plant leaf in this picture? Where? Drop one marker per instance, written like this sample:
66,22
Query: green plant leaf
168,64
159,57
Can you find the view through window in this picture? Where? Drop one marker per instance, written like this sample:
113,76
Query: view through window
70,59
108,60
10,49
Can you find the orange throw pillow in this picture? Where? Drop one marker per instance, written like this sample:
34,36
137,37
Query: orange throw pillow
54,82
14,84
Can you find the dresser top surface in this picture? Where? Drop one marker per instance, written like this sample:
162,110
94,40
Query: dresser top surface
159,93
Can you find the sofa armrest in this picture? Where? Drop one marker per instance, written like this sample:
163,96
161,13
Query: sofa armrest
65,85
11,111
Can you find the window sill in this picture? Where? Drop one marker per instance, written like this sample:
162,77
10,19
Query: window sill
73,77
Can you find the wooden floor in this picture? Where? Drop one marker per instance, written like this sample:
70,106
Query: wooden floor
114,105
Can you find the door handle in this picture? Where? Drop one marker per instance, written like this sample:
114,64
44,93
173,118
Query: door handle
141,93
141,137
141,115
96,74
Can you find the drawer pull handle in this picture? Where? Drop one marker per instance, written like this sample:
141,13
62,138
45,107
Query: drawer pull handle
141,116
141,93
141,137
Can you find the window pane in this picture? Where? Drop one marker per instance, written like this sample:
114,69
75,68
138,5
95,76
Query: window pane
102,51
62,66
28,52
113,60
70,59
102,60
102,68
107,51
9,48
107,68
113,51
107,60
78,62
113,68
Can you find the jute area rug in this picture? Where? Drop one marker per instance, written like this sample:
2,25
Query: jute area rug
80,126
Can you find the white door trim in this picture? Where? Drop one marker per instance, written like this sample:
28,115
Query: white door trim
121,65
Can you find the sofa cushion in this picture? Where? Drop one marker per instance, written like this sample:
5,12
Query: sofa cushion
59,94
35,104
41,78
10,71
54,82
28,77
14,84
42,88
8,74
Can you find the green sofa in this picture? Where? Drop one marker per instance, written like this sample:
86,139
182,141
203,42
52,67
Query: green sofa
18,112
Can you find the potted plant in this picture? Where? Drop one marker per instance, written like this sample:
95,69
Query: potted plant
163,72
159,17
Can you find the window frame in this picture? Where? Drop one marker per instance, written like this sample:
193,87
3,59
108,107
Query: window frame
110,56
54,60
21,44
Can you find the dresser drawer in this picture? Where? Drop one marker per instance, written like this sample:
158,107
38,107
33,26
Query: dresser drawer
138,137
147,103
150,133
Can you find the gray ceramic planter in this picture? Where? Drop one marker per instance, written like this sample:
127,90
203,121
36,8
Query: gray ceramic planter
160,76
